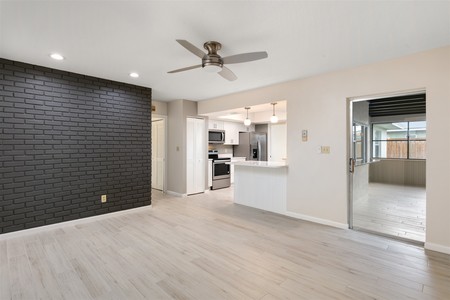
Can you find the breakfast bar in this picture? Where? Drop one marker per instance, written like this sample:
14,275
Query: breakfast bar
261,184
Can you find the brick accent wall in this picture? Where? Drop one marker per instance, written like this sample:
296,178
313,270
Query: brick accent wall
66,139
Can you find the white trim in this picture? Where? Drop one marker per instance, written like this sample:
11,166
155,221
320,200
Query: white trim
316,220
349,113
437,247
35,230
172,193
387,95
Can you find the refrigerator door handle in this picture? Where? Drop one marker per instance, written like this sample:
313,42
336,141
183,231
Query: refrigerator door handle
259,150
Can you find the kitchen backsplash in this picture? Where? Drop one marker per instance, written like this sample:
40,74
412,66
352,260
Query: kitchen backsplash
223,149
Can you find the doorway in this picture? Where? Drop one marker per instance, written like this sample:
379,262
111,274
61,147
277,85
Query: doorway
158,153
387,165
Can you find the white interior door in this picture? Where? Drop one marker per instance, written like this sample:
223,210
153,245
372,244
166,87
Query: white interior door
278,142
190,156
195,156
200,154
158,154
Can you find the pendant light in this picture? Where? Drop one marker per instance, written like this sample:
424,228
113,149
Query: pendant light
273,118
247,121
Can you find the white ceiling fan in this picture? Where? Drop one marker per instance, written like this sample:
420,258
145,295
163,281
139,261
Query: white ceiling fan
213,62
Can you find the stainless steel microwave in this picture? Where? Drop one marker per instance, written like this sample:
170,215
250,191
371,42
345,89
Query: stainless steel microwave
216,136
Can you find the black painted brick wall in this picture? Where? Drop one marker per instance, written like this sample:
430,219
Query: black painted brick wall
66,139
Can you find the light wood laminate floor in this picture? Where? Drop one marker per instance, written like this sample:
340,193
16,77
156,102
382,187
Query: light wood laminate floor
393,210
206,247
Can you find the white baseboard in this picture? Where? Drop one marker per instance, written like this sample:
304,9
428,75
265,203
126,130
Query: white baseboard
437,248
172,193
34,230
316,220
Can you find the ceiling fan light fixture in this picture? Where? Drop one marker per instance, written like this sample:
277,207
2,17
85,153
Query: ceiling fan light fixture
273,118
212,68
247,121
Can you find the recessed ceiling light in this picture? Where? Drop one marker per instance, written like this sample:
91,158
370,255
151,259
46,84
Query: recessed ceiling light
134,75
56,56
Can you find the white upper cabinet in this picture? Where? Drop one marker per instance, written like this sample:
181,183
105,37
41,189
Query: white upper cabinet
231,133
215,124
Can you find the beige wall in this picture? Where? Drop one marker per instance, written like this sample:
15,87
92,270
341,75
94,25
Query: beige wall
317,184
160,108
175,158
177,112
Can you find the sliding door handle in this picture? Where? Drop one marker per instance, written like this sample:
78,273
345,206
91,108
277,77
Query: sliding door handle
352,165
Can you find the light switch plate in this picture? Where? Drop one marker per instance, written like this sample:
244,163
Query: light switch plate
304,135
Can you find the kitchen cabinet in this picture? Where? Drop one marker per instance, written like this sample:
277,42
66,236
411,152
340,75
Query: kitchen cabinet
278,142
231,133
215,124
232,130
195,156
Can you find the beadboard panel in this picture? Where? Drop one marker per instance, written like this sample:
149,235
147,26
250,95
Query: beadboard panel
404,172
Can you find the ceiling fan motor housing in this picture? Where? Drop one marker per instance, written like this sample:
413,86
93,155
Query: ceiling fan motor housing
213,62
212,58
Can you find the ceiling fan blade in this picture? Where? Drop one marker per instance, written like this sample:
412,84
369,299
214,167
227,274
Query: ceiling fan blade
191,48
185,69
227,74
244,57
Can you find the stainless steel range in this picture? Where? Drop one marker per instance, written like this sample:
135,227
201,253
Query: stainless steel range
220,171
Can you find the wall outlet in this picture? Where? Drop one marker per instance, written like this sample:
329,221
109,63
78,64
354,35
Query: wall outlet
325,149
103,198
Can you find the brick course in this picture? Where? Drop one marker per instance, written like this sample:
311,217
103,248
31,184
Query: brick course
65,140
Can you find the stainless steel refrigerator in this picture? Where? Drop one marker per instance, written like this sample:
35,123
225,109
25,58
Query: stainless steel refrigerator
252,146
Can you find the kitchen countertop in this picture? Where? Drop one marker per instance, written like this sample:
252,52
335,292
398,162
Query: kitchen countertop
261,164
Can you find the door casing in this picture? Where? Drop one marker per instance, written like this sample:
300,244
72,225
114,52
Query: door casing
350,101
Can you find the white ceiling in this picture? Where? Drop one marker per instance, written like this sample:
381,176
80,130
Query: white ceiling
110,39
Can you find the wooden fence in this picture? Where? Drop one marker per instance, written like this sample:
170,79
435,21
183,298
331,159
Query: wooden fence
399,149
